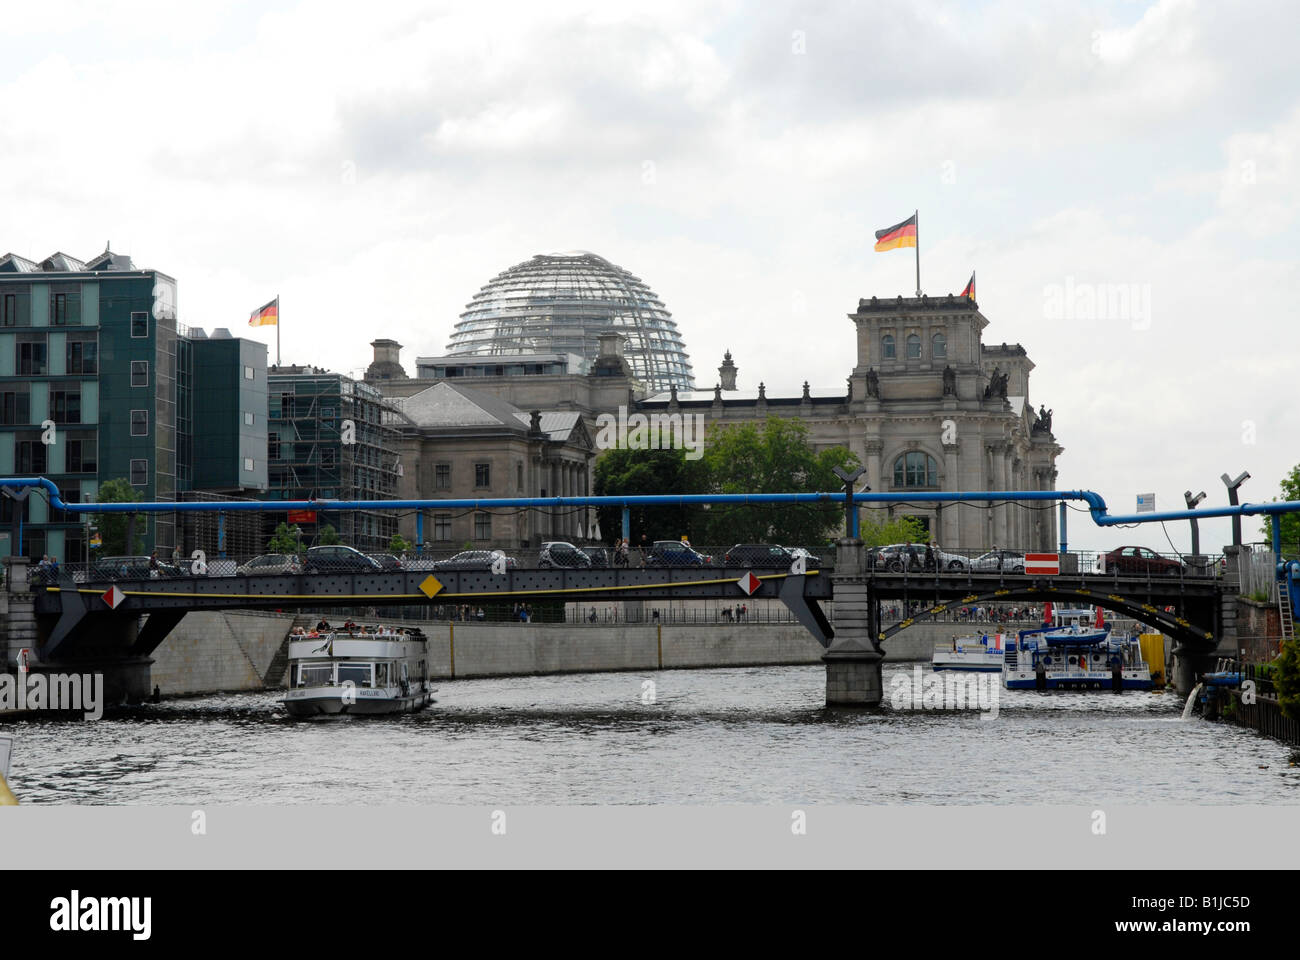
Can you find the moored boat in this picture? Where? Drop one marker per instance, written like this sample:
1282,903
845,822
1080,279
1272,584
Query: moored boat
1075,650
983,654
351,673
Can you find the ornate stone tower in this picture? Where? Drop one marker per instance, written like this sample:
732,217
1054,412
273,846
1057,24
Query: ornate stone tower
727,372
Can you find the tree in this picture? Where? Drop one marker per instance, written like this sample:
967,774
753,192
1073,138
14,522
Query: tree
1290,521
285,540
1287,678
398,544
327,536
648,472
879,531
112,526
776,458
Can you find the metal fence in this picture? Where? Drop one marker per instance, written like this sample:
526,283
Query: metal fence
1258,572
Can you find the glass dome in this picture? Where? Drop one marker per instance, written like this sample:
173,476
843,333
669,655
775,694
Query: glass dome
562,303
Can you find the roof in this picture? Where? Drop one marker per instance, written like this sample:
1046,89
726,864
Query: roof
451,405
747,396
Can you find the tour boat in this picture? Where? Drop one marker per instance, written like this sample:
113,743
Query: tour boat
1075,651
358,673
983,654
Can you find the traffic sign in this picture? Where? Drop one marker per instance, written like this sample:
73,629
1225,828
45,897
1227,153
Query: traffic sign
749,583
1042,564
113,597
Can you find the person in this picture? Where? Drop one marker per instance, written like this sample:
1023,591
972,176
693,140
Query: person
929,555
323,625
645,550
153,564
911,556
591,617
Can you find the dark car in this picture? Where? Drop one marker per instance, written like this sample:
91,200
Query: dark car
338,559
675,553
386,561
557,554
765,556
134,568
1139,561
474,560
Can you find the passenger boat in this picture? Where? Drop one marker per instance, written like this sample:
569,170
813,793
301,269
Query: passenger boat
351,673
1075,650
983,654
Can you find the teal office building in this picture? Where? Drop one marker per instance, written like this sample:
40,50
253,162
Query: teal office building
100,381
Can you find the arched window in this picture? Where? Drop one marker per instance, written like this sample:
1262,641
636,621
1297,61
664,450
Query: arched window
916,469
939,347
913,347
887,351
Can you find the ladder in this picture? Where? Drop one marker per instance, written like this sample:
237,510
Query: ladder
1284,610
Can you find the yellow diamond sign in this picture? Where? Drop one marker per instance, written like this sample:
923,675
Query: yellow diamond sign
430,585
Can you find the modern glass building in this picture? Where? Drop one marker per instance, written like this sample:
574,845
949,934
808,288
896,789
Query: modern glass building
95,347
561,304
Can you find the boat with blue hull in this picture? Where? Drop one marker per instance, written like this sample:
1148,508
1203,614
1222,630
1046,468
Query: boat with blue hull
1075,650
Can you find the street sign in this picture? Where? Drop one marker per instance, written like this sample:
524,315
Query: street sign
1146,503
1042,564
749,583
113,597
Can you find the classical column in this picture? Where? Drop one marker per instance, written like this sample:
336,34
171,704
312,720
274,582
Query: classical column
872,448
952,480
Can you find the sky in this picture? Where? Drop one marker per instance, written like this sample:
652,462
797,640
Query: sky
1123,176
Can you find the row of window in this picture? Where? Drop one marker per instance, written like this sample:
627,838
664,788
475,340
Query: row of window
938,347
442,476
31,359
31,456
442,526
64,311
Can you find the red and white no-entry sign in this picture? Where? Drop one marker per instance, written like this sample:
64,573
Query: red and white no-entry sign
1042,564
113,597
749,583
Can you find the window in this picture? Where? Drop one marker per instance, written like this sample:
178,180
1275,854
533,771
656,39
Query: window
887,351
273,446
139,373
15,404
139,423
139,473
31,358
82,356
916,469
913,347
939,347
248,464
9,310
82,455
139,324
482,476
248,419
65,404
248,373
29,457
65,304
442,476
442,526
482,526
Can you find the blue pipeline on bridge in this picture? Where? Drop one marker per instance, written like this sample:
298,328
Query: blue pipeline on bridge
1096,505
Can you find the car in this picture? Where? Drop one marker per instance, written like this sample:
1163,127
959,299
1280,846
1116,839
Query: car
1138,561
676,553
474,560
269,563
134,568
386,561
558,554
337,558
764,556
896,557
995,561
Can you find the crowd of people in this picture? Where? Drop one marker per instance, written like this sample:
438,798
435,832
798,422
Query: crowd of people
351,628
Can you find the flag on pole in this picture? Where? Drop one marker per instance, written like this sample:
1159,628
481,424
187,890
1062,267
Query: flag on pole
970,287
899,235
267,316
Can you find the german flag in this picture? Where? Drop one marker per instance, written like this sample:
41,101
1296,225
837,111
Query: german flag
267,316
970,287
899,235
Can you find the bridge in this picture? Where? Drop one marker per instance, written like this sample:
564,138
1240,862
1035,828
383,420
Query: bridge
88,619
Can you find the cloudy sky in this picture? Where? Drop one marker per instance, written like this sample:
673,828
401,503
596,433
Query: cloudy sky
374,165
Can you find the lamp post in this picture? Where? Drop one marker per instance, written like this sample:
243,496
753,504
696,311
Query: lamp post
1192,501
850,512
1232,486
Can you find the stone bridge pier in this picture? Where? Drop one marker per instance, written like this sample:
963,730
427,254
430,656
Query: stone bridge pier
853,672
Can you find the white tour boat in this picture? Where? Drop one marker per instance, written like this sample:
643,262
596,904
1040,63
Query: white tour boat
364,673
1075,650
983,654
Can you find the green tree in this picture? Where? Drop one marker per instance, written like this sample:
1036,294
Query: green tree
1287,679
285,540
1290,521
776,458
877,531
644,473
327,536
112,526
398,544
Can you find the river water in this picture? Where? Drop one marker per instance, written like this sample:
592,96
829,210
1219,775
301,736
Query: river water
724,736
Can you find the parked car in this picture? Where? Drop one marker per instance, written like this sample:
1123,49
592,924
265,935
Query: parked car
896,557
269,563
1139,561
338,559
474,560
386,561
558,554
675,553
1004,561
764,556
134,568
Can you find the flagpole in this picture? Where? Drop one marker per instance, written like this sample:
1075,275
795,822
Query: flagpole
917,217
277,328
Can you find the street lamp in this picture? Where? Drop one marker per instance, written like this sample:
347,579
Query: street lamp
1232,486
1192,501
850,514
